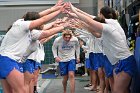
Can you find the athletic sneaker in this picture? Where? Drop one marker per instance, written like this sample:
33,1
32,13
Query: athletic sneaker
85,74
87,86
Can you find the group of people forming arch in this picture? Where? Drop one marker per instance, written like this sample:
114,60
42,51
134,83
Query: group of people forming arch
22,50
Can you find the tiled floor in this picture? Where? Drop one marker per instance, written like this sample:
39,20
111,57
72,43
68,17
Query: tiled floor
55,86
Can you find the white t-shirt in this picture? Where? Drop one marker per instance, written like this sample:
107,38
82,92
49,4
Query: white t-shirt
98,47
31,49
39,54
1,38
34,48
16,40
114,43
66,50
95,44
116,24
86,48
89,36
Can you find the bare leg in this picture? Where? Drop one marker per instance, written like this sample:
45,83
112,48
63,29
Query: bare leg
111,82
31,87
94,80
106,85
34,81
86,72
16,80
102,79
121,82
27,78
90,79
6,87
64,82
90,74
72,81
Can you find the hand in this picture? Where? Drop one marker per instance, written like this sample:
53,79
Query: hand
65,8
58,21
72,7
59,3
64,19
78,60
72,22
57,59
71,14
85,51
66,24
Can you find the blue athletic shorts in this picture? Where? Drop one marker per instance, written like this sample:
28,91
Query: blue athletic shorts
65,67
37,65
29,66
20,67
127,65
98,60
87,63
108,67
91,58
7,65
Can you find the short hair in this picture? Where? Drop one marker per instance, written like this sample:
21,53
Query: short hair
31,16
67,32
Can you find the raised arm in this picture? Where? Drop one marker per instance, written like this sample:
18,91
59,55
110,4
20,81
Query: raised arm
90,29
47,39
43,20
91,16
96,26
86,29
52,24
56,7
53,30
50,10
49,25
50,32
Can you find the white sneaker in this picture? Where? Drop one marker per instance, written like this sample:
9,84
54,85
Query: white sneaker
85,75
38,88
88,88
88,85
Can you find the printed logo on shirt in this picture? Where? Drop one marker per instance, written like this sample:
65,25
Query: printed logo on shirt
67,47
